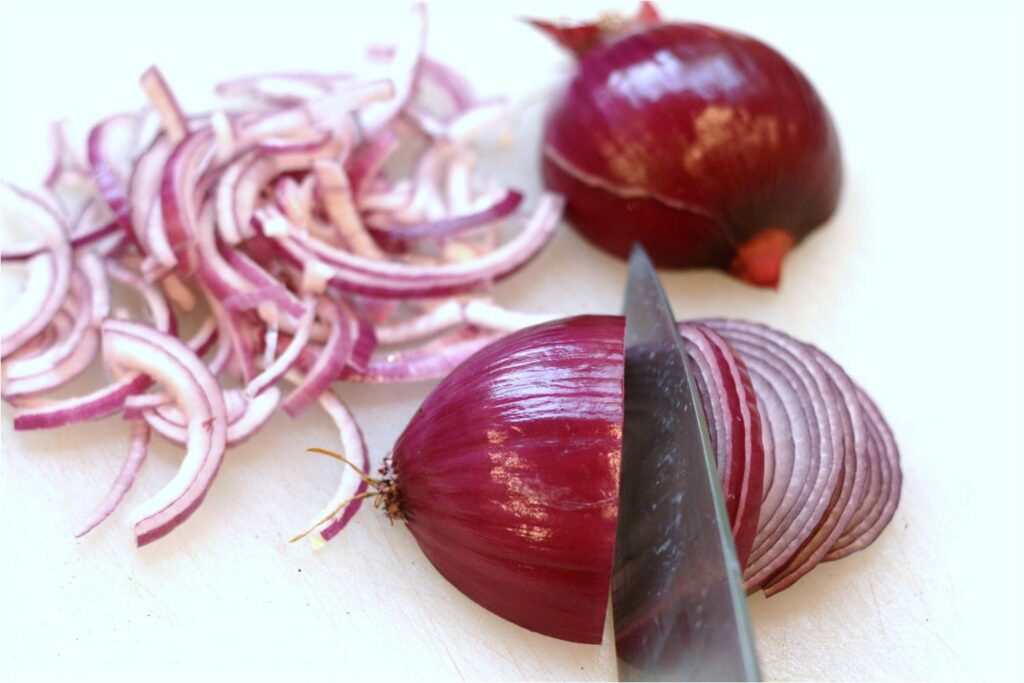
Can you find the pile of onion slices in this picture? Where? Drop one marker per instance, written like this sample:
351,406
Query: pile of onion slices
317,227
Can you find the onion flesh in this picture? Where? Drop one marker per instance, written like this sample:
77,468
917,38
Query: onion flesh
253,222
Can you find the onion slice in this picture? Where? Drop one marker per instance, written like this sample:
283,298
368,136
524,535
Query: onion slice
125,478
49,280
359,275
244,416
430,361
329,363
451,226
184,375
337,514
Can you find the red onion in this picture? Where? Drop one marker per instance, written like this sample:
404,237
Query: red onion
125,478
197,393
333,357
244,417
49,270
708,147
65,357
507,474
194,213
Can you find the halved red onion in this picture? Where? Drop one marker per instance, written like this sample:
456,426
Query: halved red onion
516,515
184,375
476,474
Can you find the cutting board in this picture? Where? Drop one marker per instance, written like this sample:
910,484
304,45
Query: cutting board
915,286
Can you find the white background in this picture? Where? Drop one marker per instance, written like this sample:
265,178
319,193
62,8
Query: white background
915,286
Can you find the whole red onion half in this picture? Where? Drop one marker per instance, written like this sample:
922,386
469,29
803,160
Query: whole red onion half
707,146
512,490
507,476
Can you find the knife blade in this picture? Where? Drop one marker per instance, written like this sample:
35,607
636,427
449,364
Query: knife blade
678,604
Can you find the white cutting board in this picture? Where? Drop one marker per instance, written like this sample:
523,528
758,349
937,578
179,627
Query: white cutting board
915,286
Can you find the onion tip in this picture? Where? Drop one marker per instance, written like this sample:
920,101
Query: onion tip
579,39
759,259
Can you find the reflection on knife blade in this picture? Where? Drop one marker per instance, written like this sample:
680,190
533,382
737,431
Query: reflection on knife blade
678,604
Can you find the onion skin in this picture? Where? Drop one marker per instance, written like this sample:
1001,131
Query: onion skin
708,147
508,475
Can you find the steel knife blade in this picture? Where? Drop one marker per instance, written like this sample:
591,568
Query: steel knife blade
678,604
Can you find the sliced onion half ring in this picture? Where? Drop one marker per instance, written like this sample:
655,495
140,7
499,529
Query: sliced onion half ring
49,270
187,378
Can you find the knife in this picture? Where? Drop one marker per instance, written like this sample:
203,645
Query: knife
678,604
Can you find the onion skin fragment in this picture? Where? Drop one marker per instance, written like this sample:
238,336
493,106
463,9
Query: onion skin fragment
707,146
508,475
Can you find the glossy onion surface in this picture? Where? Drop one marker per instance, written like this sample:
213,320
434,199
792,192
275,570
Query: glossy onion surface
707,146
508,475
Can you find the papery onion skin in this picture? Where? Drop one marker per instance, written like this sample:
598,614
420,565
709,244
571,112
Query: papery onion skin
508,475
708,147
